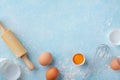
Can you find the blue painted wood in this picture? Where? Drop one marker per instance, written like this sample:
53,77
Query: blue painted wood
62,27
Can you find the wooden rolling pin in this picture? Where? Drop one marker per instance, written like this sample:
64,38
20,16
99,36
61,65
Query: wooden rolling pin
15,46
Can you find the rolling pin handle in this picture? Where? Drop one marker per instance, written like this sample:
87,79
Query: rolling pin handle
28,62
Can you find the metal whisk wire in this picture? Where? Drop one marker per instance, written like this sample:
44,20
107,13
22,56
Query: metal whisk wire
100,56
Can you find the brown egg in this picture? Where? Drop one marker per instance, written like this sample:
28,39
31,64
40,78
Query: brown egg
115,64
45,58
52,73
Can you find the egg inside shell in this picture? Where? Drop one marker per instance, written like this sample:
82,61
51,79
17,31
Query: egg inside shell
52,73
45,58
115,64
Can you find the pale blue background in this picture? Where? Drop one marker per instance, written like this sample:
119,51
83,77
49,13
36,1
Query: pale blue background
62,27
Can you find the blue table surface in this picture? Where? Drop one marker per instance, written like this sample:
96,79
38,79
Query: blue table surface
62,27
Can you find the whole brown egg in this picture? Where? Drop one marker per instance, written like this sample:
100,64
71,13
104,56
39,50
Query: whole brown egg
52,73
45,58
115,64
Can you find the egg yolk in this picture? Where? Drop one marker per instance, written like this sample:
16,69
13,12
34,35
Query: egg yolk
78,59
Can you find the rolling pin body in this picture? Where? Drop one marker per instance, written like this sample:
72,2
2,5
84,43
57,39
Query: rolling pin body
13,43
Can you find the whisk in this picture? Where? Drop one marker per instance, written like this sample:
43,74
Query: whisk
101,55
